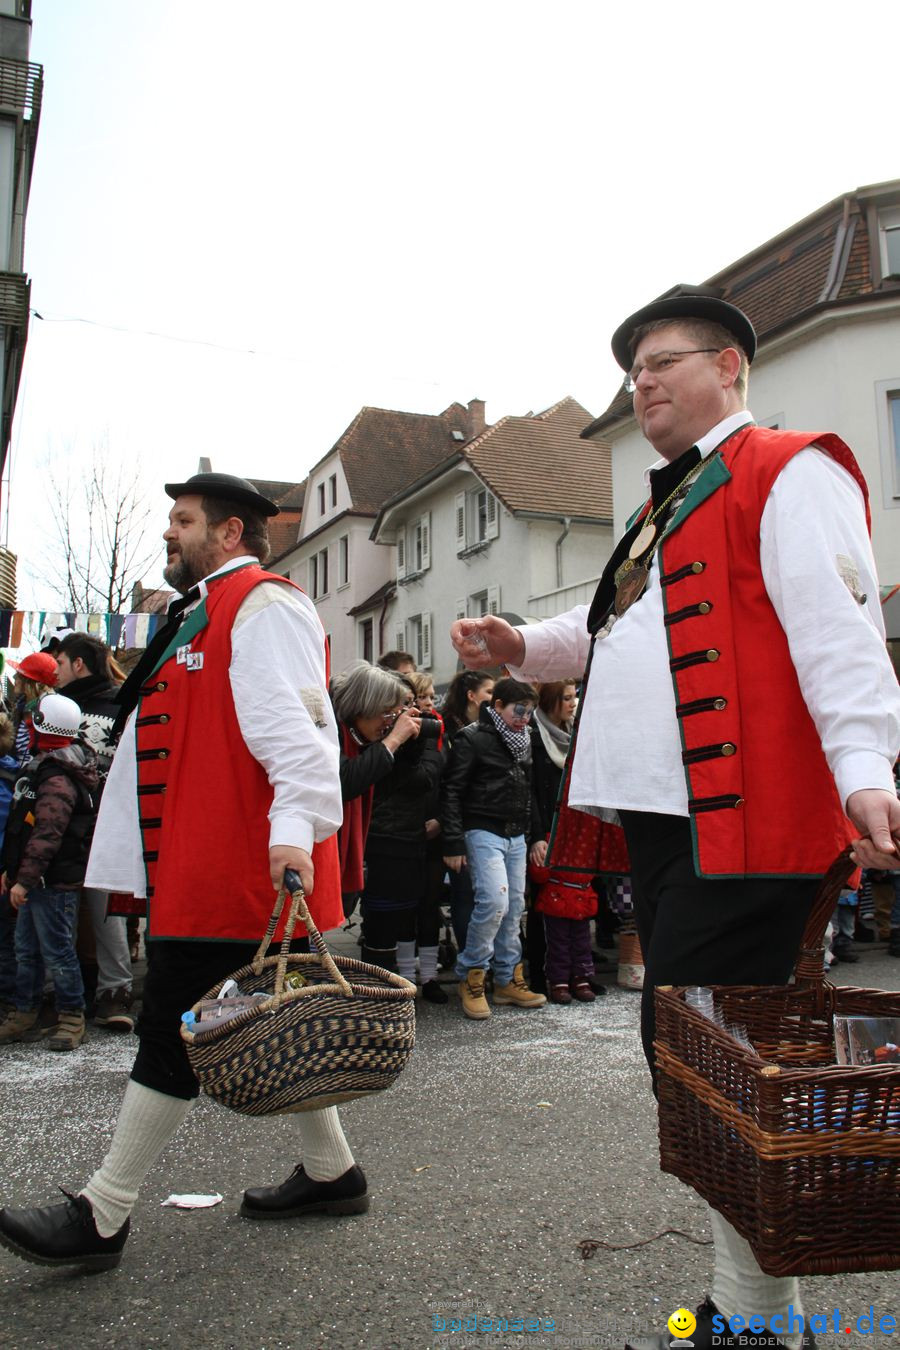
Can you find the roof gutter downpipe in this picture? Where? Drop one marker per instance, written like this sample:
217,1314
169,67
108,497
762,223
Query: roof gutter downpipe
567,522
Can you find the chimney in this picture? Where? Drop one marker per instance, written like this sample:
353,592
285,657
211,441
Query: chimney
476,417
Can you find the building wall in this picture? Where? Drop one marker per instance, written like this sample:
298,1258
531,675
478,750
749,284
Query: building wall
515,572
834,378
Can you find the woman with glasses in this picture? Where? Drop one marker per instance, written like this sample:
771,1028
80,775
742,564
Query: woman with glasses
486,818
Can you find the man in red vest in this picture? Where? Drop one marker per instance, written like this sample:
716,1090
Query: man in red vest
741,714
233,749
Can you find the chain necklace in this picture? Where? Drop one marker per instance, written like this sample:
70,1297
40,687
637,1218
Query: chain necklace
632,575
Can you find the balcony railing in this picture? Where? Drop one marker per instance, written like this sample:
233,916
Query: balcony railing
21,88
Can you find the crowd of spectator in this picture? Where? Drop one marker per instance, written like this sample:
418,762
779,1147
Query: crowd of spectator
448,811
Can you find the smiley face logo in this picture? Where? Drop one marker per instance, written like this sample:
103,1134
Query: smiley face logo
682,1323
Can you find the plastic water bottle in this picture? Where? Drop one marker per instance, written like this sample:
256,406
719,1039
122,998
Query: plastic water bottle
188,1021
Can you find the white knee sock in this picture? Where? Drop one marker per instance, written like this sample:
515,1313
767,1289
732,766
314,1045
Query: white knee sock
326,1153
147,1121
406,960
741,1288
428,963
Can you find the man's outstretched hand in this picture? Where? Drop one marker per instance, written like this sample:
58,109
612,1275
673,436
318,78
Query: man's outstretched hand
490,641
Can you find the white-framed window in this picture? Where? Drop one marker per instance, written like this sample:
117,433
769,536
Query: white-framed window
344,560
318,574
332,489
321,498
477,518
414,547
887,399
365,638
889,236
480,603
418,639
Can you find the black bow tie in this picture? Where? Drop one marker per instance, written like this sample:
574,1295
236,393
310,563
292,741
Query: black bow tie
130,691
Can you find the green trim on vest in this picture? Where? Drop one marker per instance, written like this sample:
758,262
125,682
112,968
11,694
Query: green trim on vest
714,476
195,622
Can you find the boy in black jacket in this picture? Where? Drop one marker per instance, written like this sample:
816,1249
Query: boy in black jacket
486,817
44,859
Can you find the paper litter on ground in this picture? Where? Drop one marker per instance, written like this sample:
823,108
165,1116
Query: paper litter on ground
193,1201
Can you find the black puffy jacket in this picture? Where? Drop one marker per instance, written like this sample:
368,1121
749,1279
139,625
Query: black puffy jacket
484,786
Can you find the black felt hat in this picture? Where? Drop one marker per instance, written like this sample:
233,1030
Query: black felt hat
686,302
224,486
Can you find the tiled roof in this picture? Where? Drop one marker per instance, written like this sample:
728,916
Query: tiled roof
822,262
283,531
287,496
382,450
383,593
540,463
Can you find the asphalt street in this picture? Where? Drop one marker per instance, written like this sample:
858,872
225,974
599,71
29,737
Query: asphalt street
503,1146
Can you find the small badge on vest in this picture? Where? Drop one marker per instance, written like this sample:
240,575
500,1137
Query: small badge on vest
182,654
195,660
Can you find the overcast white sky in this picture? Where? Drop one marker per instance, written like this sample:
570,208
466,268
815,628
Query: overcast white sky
399,204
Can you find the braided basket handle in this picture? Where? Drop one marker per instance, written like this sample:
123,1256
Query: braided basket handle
809,970
298,908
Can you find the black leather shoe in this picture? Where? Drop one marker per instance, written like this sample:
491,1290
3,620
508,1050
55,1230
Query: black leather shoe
301,1195
705,1337
433,992
61,1235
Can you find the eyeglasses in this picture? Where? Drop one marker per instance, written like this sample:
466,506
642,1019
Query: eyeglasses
660,362
522,710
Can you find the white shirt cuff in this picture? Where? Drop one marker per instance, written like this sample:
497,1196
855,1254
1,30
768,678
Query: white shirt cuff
291,832
860,769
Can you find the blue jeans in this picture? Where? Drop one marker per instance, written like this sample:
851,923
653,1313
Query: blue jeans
498,878
462,902
45,936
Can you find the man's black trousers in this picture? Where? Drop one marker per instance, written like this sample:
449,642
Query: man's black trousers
697,931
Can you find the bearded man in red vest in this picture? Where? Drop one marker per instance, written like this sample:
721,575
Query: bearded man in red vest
741,713
233,749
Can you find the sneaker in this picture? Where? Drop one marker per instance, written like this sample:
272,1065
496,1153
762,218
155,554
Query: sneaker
517,992
300,1194
61,1235
68,1033
433,993
113,1010
16,1024
471,991
581,989
559,993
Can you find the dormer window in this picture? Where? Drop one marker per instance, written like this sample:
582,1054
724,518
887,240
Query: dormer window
889,232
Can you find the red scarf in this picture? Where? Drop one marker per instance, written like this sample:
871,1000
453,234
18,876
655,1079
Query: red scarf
352,834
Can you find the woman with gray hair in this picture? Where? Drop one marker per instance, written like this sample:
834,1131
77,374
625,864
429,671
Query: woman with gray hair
373,724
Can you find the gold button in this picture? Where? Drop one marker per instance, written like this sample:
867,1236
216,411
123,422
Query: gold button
720,703
712,654
704,606
161,686
739,802
162,754
164,717
697,566
729,749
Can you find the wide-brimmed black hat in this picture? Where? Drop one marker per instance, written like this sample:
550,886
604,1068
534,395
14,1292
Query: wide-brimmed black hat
224,486
686,302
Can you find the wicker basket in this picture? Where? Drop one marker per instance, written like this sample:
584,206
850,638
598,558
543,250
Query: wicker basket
800,1155
333,1039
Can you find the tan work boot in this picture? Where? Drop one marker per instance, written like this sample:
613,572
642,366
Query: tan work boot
69,1032
471,991
518,993
15,1024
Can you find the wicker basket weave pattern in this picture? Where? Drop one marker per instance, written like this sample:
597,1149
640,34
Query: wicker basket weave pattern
799,1154
349,1031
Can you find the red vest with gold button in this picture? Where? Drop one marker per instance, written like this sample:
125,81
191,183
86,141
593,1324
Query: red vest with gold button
762,800
203,800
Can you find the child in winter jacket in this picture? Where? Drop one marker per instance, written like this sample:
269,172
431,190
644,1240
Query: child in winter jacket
44,861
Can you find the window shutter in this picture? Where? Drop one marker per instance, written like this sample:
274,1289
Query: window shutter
493,516
426,540
460,521
461,608
493,599
400,638
426,641
313,589
401,553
